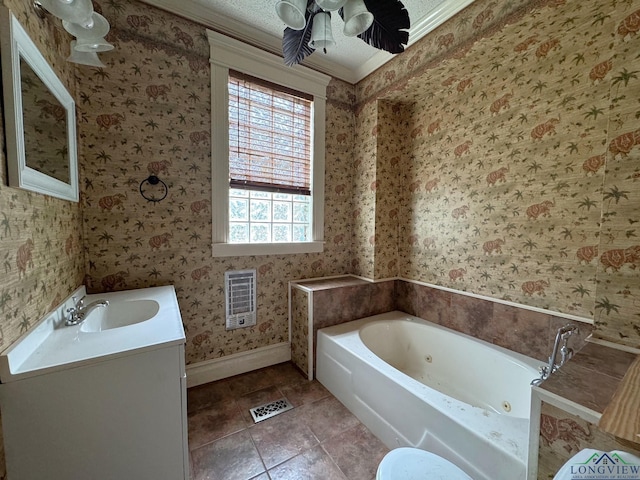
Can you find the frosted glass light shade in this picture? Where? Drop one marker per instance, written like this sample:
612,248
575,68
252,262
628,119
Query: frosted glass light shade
330,5
321,35
292,13
98,28
93,45
74,11
357,18
84,58
90,39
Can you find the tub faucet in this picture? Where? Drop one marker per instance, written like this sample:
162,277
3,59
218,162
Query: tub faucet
559,346
77,313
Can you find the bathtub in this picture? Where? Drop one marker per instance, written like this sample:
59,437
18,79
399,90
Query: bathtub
416,383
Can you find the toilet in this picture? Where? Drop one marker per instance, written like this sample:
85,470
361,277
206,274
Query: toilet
407,463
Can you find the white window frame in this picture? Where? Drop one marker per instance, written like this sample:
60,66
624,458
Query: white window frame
225,54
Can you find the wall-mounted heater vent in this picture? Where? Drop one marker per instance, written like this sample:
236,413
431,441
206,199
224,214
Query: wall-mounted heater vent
240,294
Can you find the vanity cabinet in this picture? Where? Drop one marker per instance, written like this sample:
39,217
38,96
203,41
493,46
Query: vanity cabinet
102,400
121,418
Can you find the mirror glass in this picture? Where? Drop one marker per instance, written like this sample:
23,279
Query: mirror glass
40,118
45,132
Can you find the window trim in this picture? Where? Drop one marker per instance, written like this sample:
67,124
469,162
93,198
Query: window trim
225,54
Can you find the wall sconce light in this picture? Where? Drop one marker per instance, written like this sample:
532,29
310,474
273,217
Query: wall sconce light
84,58
79,19
90,39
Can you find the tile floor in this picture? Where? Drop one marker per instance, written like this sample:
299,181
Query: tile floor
318,439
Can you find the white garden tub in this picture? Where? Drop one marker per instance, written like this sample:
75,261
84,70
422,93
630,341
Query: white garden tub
416,383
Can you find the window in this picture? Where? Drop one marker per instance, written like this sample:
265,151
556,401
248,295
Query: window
269,162
267,152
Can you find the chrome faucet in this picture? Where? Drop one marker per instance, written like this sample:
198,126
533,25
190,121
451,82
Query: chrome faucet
77,313
559,346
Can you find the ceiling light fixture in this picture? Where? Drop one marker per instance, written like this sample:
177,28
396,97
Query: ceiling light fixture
383,24
79,19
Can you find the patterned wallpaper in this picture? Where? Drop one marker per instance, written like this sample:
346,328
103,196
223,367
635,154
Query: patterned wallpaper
40,236
563,435
364,185
148,113
520,185
518,155
389,135
521,179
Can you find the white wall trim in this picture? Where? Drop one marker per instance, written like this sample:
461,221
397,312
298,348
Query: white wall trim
310,338
437,17
243,362
615,346
202,14
199,12
567,405
298,283
231,53
258,249
433,20
228,53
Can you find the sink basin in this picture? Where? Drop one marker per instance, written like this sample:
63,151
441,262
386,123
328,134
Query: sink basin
133,321
120,314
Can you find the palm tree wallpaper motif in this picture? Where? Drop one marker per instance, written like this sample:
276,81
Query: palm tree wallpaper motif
510,125
500,155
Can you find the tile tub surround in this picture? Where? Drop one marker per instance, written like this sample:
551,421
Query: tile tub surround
521,330
339,300
299,325
591,377
332,301
563,434
589,380
318,439
574,398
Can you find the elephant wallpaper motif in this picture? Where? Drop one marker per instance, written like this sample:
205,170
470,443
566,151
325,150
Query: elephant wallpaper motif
149,113
40,237
563,435
499,155
520,166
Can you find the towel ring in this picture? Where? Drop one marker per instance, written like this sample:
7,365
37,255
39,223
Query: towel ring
153,180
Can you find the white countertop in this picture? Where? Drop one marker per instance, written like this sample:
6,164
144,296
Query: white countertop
51,346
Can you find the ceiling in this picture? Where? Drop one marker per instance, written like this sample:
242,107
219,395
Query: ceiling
256,22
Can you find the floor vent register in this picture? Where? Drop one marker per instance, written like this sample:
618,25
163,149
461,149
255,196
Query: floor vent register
270,409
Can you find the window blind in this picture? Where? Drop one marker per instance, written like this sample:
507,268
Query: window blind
269,136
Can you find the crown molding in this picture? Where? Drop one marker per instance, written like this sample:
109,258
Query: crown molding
198,12
419,29
436,18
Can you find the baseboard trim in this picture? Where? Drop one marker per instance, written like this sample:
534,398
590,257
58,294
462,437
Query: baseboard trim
243,362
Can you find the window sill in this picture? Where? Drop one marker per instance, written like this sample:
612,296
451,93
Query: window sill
246,249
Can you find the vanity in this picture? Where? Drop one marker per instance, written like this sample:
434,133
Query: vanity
101,400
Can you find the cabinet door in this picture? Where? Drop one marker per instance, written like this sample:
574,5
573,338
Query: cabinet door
119,418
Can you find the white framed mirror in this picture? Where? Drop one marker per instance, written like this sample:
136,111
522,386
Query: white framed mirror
39,116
